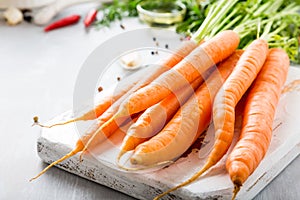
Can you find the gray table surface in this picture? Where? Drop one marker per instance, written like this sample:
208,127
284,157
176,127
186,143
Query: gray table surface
37,76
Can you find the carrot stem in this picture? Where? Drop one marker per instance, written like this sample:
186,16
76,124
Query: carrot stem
214,17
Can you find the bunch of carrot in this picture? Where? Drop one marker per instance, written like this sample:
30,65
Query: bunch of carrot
174,104
261,72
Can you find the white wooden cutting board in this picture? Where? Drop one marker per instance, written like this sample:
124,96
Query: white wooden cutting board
100,168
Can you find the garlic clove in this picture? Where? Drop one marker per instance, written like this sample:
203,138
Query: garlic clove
13,16
131,61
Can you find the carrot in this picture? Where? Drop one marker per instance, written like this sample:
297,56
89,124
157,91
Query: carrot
80,145
106,131
131,84
259,114
225,101
184,69
154,118
95,130
164,66
209,48
188,123
102,130
193,66
116,138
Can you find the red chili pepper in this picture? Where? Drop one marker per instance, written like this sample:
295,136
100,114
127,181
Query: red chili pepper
91,16
63,22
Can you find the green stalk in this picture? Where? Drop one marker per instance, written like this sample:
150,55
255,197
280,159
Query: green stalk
209,23
250,11
267,30
198,36
224,21
274,7
262,8
231,23
276,31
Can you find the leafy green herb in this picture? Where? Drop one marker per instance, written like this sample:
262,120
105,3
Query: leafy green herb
195,15
116,11
278,21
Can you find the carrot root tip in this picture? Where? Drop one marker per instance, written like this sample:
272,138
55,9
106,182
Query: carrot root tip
121,153
64,123
41,125
80,159
35,119
236,189
37,123
134,161
122,166
70,154
81,156
32,179
187,182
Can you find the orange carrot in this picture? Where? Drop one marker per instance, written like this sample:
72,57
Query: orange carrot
237,84
131,84
106,131
80,145
259,114
193,66
225,101
116,138
102,130
164,66
154,118
96,129
188,123
78,148
188,66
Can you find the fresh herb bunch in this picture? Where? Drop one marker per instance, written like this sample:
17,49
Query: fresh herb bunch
116,11
195,15
277,20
